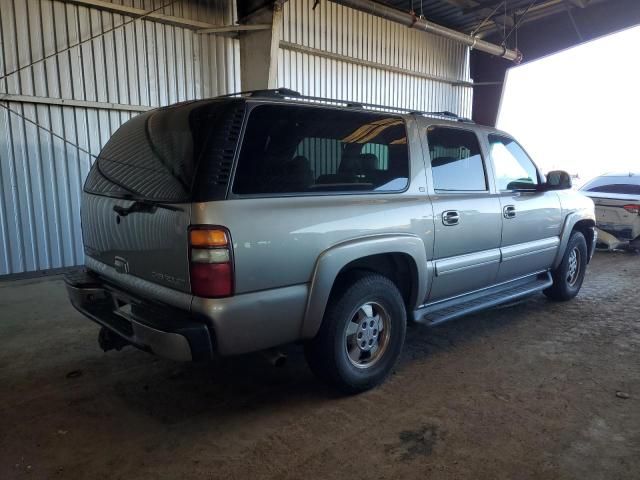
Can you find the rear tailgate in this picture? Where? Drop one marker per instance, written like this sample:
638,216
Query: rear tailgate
611,215
136,207
150,245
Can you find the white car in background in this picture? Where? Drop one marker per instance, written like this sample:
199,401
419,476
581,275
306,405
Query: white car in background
617,200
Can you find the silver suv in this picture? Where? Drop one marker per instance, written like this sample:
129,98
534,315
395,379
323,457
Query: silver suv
245,222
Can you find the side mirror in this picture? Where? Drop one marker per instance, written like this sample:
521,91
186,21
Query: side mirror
558,180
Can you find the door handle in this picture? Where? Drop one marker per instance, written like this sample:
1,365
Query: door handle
509,211
450,217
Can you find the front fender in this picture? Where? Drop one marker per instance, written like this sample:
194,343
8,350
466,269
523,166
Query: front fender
334,259
569,224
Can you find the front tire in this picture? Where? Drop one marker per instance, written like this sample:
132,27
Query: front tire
569,275
361,335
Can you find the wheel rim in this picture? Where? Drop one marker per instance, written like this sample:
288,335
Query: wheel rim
367,335
574,267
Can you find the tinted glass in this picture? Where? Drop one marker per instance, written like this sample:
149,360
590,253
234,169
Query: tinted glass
610,184
297,149
514,170
456,162
617,188
155,155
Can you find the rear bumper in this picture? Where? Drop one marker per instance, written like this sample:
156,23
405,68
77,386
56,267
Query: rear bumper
161,330
179,326
612,240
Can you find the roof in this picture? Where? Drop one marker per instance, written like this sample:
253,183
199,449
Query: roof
490,15
620,174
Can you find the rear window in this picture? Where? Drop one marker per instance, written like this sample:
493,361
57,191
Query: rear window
158,155
624,185
297,149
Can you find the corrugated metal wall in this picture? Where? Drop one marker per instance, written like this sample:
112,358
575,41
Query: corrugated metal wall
337,52
143,64
331,51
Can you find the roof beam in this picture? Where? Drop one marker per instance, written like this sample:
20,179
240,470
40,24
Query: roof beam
480,6
138,12
367,63
536,12
411,21
68,102
461,3
236,28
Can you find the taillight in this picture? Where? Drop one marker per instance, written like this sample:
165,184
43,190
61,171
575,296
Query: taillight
211,257
635,209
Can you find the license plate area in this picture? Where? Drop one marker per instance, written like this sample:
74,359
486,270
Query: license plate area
123,306
122,309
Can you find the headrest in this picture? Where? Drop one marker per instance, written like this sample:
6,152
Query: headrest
349,165
368,161
359,164
300,160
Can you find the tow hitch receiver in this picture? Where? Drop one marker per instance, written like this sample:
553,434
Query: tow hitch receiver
111,341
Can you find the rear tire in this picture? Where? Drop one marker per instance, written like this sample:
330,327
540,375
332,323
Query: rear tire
569,275
361,335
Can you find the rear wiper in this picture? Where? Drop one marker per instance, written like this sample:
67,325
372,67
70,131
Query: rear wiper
142,206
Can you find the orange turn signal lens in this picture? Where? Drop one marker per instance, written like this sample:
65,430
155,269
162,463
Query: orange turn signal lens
209,238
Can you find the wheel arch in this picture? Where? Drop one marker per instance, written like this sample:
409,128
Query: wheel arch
585,226
388,255
576,222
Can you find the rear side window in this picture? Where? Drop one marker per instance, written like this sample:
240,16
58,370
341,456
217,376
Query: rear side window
297,149
617,188
456,161
629,185
513,168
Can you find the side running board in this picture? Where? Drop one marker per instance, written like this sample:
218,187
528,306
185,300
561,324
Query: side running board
439,312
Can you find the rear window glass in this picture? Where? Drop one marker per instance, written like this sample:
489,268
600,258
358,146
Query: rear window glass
155,155
297,149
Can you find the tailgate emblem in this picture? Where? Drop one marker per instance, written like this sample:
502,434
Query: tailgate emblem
121,265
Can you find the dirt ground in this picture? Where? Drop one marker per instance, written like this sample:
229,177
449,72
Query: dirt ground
533,390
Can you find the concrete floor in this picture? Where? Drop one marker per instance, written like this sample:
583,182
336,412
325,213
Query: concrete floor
526,391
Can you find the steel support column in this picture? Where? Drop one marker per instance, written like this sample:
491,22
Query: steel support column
259,49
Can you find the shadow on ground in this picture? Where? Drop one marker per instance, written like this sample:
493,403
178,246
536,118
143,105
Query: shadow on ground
527,390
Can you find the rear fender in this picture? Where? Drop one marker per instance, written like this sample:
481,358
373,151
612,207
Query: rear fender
334,259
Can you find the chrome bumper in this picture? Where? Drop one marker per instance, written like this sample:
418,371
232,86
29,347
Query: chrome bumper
160,330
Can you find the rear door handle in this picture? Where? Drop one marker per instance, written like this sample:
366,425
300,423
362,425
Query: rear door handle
509,211
450,217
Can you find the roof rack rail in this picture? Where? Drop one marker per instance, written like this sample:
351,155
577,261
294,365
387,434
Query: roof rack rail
449,115
295,95
272,92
